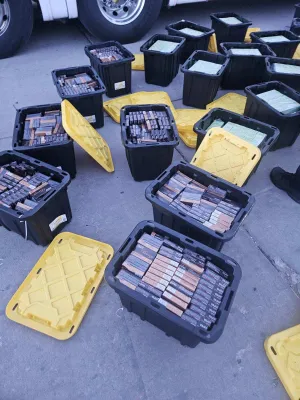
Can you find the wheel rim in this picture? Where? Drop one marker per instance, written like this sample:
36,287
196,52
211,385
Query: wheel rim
121,12
4,16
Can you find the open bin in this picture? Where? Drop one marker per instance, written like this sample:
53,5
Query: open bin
259,108
285,70
44,221
247,64
90,105
162,58
181,222
197,37
203,73
149,307
229,27
256,132
283,43
112,61
148,159
58,153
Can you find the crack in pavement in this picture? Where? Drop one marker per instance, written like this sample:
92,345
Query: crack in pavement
286,272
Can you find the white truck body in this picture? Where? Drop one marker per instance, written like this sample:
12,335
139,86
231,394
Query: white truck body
57,9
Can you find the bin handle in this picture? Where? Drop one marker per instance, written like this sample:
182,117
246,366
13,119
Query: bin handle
230,297
125,245
161,175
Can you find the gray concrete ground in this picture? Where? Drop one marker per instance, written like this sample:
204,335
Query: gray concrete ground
115,355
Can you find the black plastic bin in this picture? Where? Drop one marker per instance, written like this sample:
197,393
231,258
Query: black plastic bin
90,105
116,75
227,32
200,128
297,10
161,68
289,125
281,49
150,310
295,27
199,88
57,154
147,161
244,70
180,222
292,80
46,220
192,43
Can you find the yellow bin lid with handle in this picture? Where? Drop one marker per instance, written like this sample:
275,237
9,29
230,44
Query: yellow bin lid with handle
227,156
79,129
283,351
58,291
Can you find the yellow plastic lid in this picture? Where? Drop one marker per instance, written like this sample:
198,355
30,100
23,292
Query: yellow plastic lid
139,63
227,156
86,136
283,351
296,55
113,107
56,294
230,101
250,30
185,121
212,44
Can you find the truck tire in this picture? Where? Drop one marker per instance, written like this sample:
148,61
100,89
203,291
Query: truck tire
16,23
123,20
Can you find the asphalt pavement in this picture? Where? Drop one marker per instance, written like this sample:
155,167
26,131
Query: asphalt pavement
114,355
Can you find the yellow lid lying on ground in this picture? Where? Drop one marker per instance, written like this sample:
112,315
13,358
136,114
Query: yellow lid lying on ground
296,55
86,136
113,107
230,101
227,156
185,121
212,45
283,351
250,30
139,63
56,294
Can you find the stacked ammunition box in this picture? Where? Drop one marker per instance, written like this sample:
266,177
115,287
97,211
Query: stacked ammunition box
108,54
77,84
208,205
184,282
21,187
43,128
148,127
